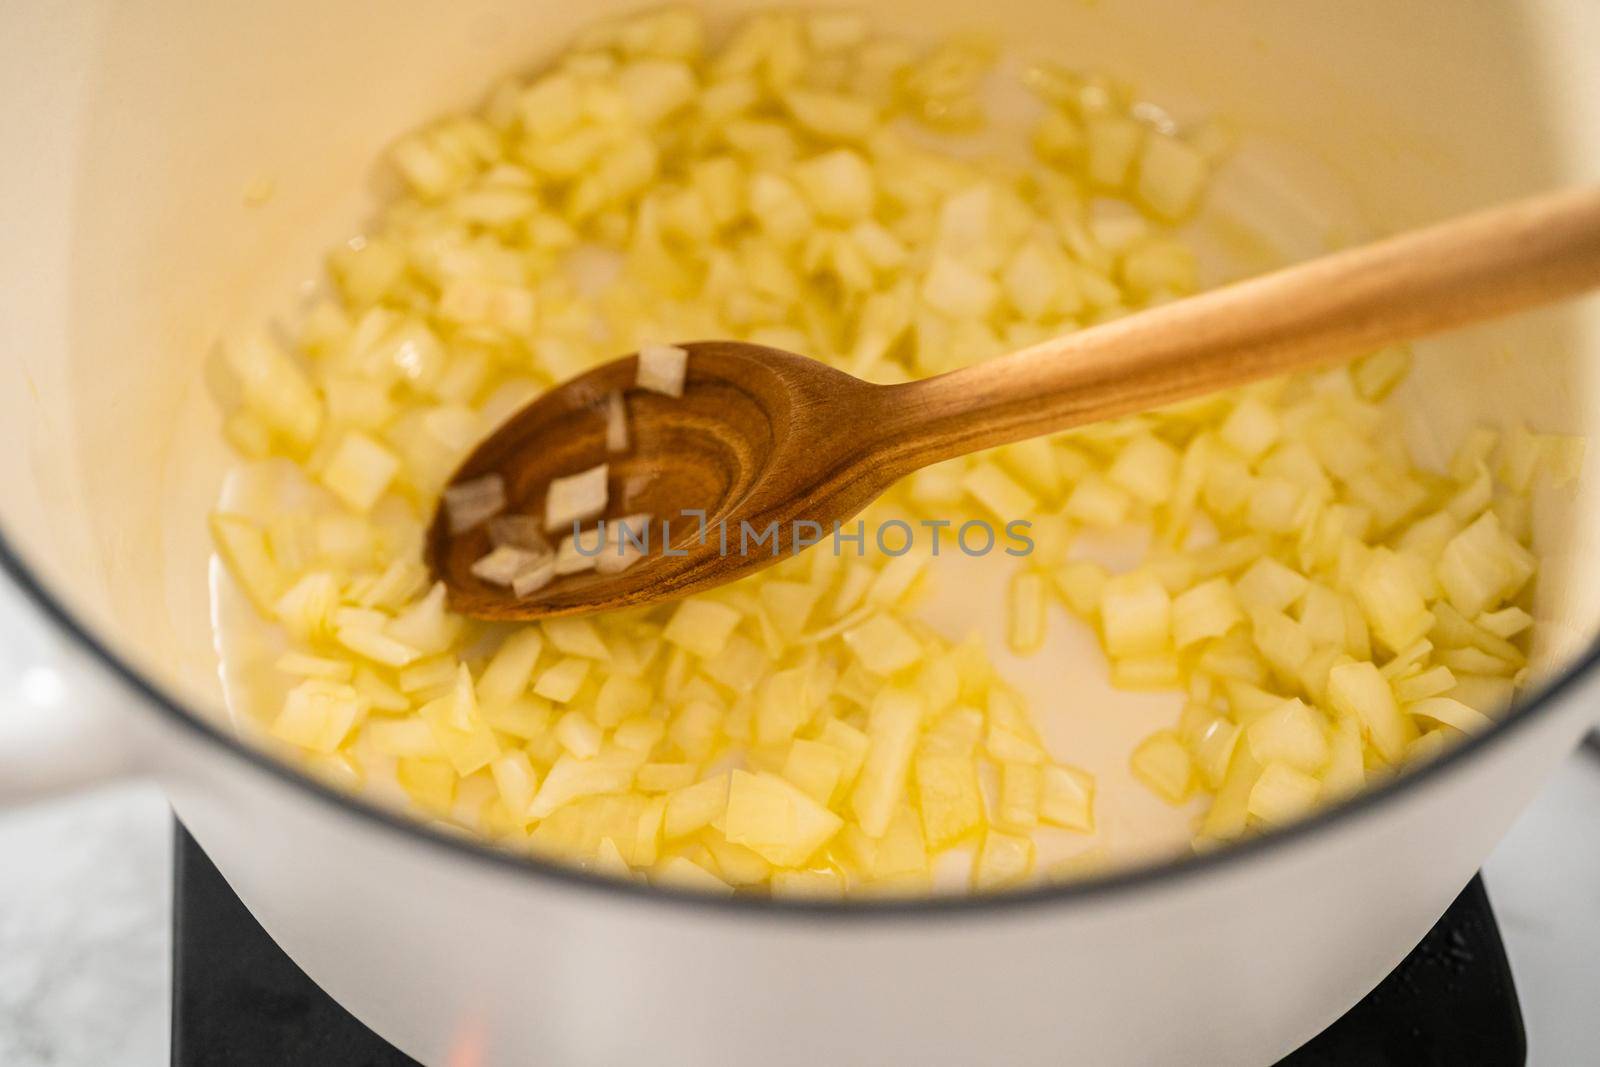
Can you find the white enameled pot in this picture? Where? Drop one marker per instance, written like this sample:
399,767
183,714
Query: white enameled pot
131,130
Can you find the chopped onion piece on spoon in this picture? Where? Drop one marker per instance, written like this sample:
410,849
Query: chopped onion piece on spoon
534,577
576,498
569,560
474,502
616,423
662,369
519,531
627,541
502,565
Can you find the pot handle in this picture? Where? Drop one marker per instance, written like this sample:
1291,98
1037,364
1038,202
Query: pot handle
59,730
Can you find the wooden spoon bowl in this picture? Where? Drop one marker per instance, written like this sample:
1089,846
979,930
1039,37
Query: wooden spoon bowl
733,446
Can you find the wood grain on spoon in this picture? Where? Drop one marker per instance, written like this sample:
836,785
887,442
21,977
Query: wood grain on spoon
762,436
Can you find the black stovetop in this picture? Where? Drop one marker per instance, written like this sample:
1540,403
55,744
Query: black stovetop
238,1001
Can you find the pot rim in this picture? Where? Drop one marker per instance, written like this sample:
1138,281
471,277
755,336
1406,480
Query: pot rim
1156,874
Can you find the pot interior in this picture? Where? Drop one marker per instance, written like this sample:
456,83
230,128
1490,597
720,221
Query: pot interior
134,245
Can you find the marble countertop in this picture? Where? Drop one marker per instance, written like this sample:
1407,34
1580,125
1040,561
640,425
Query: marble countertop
85,930
85,920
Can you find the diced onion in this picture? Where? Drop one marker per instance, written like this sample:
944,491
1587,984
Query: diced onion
616,423
702,627
519,531
537,573
318,714
576,498
579,552
626,542
1451,713
360,471
472,503
1135,614
1026,631
1293,734
560,683
576,637
662,369
1283,793
502,565
1162,763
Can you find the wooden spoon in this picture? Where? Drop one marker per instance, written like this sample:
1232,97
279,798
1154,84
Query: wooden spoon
762,436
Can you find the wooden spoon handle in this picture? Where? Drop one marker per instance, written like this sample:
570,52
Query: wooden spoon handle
1488,264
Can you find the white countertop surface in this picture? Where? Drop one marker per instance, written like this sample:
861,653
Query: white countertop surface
85,921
